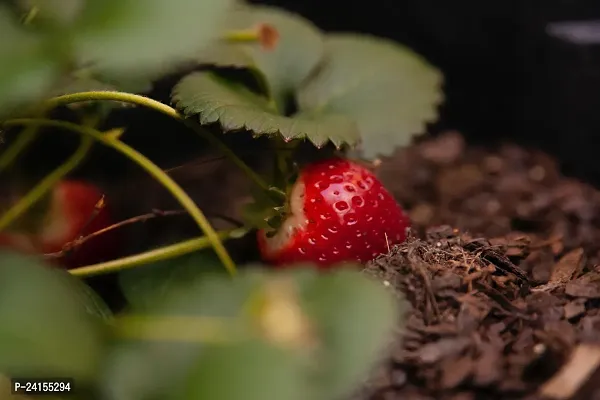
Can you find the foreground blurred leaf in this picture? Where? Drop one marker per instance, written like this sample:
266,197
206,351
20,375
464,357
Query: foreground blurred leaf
146,363
29,63
391,92
70,84
74,84
47,325
84,80
56,12
298,51
251,370
90,300
150,284
146,35
214,99
207,337
356,317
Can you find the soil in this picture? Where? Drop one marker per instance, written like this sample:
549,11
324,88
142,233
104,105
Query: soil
501,274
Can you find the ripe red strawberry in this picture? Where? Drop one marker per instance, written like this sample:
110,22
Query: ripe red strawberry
338,211
72,206
71,211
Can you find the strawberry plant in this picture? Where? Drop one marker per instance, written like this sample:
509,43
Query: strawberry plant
189,331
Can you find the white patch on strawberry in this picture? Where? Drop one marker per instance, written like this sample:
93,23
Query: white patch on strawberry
295,221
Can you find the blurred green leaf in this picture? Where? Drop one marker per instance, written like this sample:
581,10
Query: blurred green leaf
235,107
298,51
144,367
149,285
29,62
70,84
131,36
390,91
356,317
47,325
225,54
73,84
251,370
84,80
91,301
136,83
56,12
208,339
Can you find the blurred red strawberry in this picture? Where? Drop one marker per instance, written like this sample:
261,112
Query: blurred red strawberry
71,213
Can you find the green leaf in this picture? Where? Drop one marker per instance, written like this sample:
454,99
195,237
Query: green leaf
391,92
251,370
211,345
262,209
136,35
28,64
235,107
298,52
46,329
91,301
136,83
57,12
149,285
258,214
85,80
140,367
78,83
226,54
356,317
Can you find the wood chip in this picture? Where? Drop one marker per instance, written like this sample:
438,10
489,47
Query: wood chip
584,361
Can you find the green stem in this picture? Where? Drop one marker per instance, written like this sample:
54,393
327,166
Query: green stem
186,329
108,95
30,15
164,109
46,184
26,137
21,142
155,171
251,35
160,254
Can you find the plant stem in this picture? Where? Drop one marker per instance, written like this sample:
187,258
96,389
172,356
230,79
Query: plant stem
193,329
81,240
250,35
109,95
30,15
164,109
155,171
160,254
21,142
46,184
28,135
